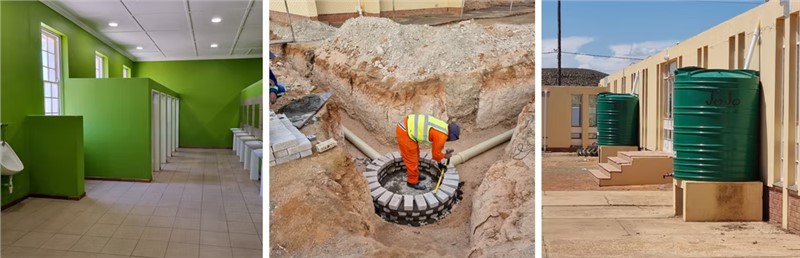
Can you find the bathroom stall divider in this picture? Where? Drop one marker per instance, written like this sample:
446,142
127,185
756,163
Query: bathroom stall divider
125,125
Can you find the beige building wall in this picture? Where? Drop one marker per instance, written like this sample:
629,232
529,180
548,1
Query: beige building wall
305,8
724,46
557,105
776,55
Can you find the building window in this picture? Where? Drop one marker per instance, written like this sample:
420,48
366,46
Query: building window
576,110
126,72
592,111
100,63
575,135
592,135
51,72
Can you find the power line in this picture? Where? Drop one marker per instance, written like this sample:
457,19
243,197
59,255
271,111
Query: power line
595,55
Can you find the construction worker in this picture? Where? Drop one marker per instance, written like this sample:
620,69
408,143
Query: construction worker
275,90
416,129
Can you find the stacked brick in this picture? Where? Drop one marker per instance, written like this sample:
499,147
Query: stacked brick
286,142
415,210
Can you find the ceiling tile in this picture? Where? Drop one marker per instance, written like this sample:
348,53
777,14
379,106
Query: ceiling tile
173,40
163,21
249,40
155,6
221,51
210,5
148,55
230,20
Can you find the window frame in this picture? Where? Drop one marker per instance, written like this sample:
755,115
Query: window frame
126,71
97,70
55,97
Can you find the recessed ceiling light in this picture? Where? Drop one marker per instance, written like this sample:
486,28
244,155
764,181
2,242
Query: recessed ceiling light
216,20
113,24
214,45
139,48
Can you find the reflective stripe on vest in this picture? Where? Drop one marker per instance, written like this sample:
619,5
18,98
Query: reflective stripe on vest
418,127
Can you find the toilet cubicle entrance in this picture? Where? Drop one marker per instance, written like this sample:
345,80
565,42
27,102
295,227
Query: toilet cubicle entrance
164,128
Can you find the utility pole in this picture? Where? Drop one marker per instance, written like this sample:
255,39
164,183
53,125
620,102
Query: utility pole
558,80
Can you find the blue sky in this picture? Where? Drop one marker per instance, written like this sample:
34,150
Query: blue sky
628,28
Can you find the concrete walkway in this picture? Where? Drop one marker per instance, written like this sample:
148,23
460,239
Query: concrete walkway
640,224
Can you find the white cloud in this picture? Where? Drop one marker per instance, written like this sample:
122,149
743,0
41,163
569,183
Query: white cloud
603,64
568,44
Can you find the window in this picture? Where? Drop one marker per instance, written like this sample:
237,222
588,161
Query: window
592,111
732,52
100,65
592,135
576,110
126,72
575,135
51,72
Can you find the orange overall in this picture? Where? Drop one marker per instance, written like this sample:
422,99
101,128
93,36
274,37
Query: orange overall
409,149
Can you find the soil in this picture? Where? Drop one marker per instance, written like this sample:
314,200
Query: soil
569,172
409,51
304,30
320,206
572,76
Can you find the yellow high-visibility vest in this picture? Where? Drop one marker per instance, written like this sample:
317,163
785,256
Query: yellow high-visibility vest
418,127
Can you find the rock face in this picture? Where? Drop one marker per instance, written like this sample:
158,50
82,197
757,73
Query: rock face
502,221
381,71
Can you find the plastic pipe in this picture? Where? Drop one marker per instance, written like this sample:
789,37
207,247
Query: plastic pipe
756,36
476,150
360,144
456,159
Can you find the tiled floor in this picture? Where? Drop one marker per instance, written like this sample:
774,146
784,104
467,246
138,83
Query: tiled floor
201,204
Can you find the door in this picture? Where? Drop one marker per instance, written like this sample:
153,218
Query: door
155,124
669,98
163,129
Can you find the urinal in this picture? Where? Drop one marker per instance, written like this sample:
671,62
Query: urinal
9,161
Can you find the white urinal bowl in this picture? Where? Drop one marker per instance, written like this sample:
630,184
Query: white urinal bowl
9,161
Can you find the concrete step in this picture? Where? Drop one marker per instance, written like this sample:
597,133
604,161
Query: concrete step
599,174
644,154
618,161
610,168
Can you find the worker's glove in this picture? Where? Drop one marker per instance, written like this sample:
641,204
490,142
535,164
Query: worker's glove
448,153
442,166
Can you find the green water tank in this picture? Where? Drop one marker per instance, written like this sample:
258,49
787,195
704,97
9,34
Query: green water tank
716,125
617,119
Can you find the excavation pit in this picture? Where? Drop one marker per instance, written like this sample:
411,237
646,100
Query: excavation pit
395,202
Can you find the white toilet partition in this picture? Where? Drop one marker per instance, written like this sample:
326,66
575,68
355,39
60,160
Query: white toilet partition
163,130
255,166
155,120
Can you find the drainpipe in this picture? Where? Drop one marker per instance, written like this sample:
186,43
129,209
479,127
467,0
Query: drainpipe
753,42
360,144
456,159
476,150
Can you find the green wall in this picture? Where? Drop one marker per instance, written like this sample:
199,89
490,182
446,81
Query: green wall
210,95
59,141
254,90
117,130
21,90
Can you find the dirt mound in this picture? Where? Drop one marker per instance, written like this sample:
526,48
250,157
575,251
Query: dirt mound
381,71
502,221
321,206
572,77
304,30
481,4
409,51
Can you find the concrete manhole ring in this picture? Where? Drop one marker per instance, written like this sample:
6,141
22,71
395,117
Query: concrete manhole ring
398,203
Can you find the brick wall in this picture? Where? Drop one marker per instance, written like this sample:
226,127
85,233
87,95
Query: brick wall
794,212
775,199
774,205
